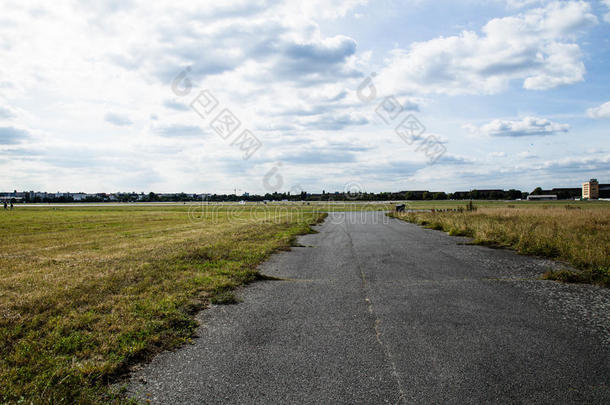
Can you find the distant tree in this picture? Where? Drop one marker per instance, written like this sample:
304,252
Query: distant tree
124,197
496,195
537,191
513,194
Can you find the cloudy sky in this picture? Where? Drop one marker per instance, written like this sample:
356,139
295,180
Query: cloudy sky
265,95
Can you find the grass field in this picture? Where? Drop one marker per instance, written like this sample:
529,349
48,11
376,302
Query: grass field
575,232
85,292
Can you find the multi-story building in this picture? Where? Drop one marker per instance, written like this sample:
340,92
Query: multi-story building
590,190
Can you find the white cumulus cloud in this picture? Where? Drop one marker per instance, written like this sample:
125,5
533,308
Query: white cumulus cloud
603,111
536,47
528,126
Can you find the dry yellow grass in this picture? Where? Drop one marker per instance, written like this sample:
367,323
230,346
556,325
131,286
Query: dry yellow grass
84,292
578,235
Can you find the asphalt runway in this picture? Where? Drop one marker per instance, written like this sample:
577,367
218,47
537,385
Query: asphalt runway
376,310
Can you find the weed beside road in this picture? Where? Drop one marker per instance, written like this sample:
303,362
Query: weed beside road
578,234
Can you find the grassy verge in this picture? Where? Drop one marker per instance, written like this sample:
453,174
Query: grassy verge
575,234
596,276
86,292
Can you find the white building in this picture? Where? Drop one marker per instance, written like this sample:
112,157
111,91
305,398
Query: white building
542,197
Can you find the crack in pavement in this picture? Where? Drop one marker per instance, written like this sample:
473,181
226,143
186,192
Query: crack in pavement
377,323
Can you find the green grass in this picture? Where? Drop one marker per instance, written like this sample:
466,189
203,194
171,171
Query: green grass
574,232
87,292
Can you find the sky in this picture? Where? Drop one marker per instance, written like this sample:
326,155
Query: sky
264,95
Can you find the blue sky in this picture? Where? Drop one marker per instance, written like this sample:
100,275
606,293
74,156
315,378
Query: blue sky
508,93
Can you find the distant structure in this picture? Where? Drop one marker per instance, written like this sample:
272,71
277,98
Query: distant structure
593,190
561,193
8,197
543,197
590,190
604,191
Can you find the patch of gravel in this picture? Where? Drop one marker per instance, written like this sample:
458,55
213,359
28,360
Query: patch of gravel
578,304
504,262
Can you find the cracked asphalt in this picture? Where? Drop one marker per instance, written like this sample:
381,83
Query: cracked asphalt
376,310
